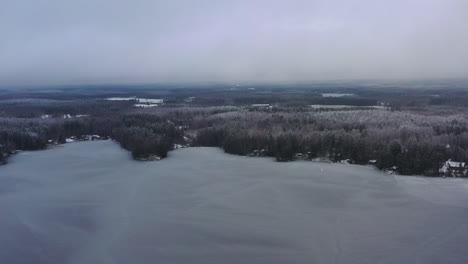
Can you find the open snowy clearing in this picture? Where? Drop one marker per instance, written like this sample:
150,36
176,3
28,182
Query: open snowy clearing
90,203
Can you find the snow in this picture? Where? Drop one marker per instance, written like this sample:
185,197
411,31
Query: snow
455,164
336,94
150,101
121,98
90,203
67,116
319,106
139,100
145,105
81,116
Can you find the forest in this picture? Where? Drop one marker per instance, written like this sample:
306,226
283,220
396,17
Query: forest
411,138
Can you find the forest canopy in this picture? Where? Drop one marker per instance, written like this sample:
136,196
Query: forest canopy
406,136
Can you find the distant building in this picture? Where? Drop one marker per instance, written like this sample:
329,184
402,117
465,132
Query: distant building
453,169
262,106
150,101
189,99
139,102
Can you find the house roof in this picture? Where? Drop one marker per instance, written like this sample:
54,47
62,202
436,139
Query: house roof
455,164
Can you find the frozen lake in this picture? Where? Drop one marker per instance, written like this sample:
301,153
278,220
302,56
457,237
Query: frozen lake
90,203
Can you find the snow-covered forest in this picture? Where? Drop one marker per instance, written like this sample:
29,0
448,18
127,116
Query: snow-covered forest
410,138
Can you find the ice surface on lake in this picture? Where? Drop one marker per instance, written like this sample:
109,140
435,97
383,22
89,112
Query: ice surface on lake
90,203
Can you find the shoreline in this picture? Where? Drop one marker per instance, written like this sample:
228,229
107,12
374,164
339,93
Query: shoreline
153,158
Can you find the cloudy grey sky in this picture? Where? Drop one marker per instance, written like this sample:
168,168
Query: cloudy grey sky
115,41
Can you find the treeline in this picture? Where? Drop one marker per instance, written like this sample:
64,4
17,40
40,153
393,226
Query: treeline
34,133
144,135
411,144
37,108
303,100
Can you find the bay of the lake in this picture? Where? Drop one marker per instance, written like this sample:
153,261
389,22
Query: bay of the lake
89,202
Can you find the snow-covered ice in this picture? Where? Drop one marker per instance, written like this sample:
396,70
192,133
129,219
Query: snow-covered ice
90,203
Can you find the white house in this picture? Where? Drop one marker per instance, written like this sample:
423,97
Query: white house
453,169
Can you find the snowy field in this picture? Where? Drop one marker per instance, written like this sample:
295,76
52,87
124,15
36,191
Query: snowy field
90,203
336,94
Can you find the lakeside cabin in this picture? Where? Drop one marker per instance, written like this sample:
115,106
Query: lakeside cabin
453,169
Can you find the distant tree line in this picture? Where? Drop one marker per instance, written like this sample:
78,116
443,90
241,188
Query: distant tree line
410,143
143,135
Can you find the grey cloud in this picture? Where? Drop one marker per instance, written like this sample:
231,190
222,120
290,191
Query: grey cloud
103,41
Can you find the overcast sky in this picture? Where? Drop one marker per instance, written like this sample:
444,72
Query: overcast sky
114,41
